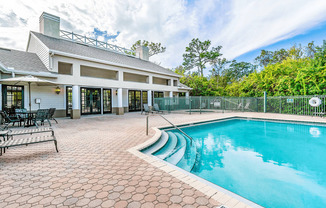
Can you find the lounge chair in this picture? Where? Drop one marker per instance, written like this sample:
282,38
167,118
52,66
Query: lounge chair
146,109
157,109
47,135
247,106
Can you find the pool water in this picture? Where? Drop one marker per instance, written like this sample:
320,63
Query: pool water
272,164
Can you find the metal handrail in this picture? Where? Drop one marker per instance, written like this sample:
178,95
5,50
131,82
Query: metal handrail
184,133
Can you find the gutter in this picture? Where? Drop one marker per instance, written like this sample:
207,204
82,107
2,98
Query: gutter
55,52
13,72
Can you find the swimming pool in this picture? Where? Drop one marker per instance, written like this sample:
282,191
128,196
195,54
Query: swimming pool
273,164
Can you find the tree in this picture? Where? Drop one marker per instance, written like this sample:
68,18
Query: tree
154,48
237,70
219,65
197,54
271,57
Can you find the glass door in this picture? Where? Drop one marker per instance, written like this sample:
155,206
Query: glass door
90,100
12,98
107,105
68,100
134,100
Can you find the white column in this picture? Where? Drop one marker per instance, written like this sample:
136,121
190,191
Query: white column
120,110
171,80
75,97
171,94
120,98
187,98
75,112
120,76
149,97
150,79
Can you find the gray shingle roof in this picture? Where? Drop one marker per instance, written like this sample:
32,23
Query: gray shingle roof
21,60
93,52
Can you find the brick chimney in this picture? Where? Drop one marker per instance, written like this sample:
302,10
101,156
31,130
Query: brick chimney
143,53
50,25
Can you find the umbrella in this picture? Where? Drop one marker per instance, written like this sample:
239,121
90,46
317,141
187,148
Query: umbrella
28,79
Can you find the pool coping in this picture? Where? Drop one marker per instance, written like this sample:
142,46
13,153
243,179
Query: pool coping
221,195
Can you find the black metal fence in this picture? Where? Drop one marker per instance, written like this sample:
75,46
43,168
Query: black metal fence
297,105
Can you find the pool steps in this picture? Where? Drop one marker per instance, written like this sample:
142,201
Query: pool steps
174,148
157,145
168,148
179,150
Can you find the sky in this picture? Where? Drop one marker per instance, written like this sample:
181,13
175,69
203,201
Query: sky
241,27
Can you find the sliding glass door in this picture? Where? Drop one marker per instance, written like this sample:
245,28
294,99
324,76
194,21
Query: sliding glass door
90,100
107,101
134,100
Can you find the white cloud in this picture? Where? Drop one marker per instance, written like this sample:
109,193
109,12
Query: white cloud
239,25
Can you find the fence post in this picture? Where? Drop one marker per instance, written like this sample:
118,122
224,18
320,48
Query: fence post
189,105
199,104
280,104
265,101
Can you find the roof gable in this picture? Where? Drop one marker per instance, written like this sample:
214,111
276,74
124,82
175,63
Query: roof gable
21,61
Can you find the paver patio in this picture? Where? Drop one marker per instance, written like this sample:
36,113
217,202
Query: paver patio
94,169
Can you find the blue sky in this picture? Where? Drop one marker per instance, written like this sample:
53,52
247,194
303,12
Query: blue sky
242,27
317,34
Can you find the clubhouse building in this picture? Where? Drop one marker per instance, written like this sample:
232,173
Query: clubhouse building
92,77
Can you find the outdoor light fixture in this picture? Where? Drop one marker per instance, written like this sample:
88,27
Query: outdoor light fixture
116,92
57,90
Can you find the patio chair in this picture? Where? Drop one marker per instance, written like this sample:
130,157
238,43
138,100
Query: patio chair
7,120
51,114
157,109
21,115
40,116
247,106
146,109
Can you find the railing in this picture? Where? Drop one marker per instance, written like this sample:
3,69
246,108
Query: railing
296,105
95,43
174,126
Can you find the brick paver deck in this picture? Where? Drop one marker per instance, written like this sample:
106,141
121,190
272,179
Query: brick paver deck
94,169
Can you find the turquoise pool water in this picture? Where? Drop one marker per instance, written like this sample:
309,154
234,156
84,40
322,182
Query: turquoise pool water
272,164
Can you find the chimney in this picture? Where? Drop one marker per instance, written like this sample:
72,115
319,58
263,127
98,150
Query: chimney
50,25
143,52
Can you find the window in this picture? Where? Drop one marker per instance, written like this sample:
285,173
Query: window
87,71
157,95
135,78
175,83
64,68
161,81
12,97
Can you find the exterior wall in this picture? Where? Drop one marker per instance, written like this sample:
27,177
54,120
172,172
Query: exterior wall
49,99
35,46
76,79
